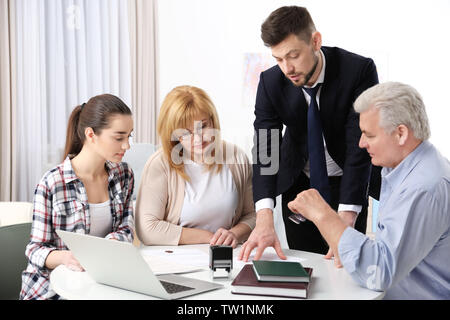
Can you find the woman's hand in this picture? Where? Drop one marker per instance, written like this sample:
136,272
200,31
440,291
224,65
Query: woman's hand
71,262
224,237
65,257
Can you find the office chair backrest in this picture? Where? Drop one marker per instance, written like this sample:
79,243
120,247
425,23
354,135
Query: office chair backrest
13,240
136,158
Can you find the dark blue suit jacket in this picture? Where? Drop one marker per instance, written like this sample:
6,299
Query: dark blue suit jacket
279,103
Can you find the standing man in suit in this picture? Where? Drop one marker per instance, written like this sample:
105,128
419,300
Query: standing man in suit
311,92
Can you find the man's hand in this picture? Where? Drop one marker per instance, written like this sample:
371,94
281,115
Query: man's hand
310,204
349,217
262,236
314,208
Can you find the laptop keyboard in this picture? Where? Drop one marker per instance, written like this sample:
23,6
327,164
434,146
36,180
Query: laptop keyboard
173,287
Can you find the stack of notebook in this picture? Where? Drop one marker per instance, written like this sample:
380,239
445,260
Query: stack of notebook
273,278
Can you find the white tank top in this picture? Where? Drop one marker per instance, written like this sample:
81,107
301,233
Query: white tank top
210,198
101,219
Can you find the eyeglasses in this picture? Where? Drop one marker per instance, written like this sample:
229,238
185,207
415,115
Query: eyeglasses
199,130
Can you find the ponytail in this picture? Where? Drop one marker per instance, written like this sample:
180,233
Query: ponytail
94,114
73,141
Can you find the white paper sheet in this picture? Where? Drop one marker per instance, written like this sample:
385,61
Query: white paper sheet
166,261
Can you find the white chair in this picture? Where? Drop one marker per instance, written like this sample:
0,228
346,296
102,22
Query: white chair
15,213
136,158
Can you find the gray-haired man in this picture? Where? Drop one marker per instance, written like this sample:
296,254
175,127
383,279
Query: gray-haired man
409,256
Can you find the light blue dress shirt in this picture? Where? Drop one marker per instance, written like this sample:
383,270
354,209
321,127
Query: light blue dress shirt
410,256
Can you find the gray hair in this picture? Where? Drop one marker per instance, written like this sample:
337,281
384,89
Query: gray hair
398,104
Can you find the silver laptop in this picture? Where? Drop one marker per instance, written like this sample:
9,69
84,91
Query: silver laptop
120,264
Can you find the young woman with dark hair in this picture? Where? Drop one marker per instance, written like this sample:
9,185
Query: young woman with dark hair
90,192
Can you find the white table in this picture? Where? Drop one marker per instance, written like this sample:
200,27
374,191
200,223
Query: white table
328,282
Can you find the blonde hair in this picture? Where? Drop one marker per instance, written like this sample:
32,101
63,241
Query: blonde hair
178,110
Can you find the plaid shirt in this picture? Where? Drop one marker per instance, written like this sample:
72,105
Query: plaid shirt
60,202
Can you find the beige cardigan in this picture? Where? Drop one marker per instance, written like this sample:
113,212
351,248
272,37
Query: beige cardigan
161,195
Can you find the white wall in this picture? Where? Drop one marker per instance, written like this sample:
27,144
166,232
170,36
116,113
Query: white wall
203,42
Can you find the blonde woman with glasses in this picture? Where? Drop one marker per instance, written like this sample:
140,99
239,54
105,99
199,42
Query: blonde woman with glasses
196,188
